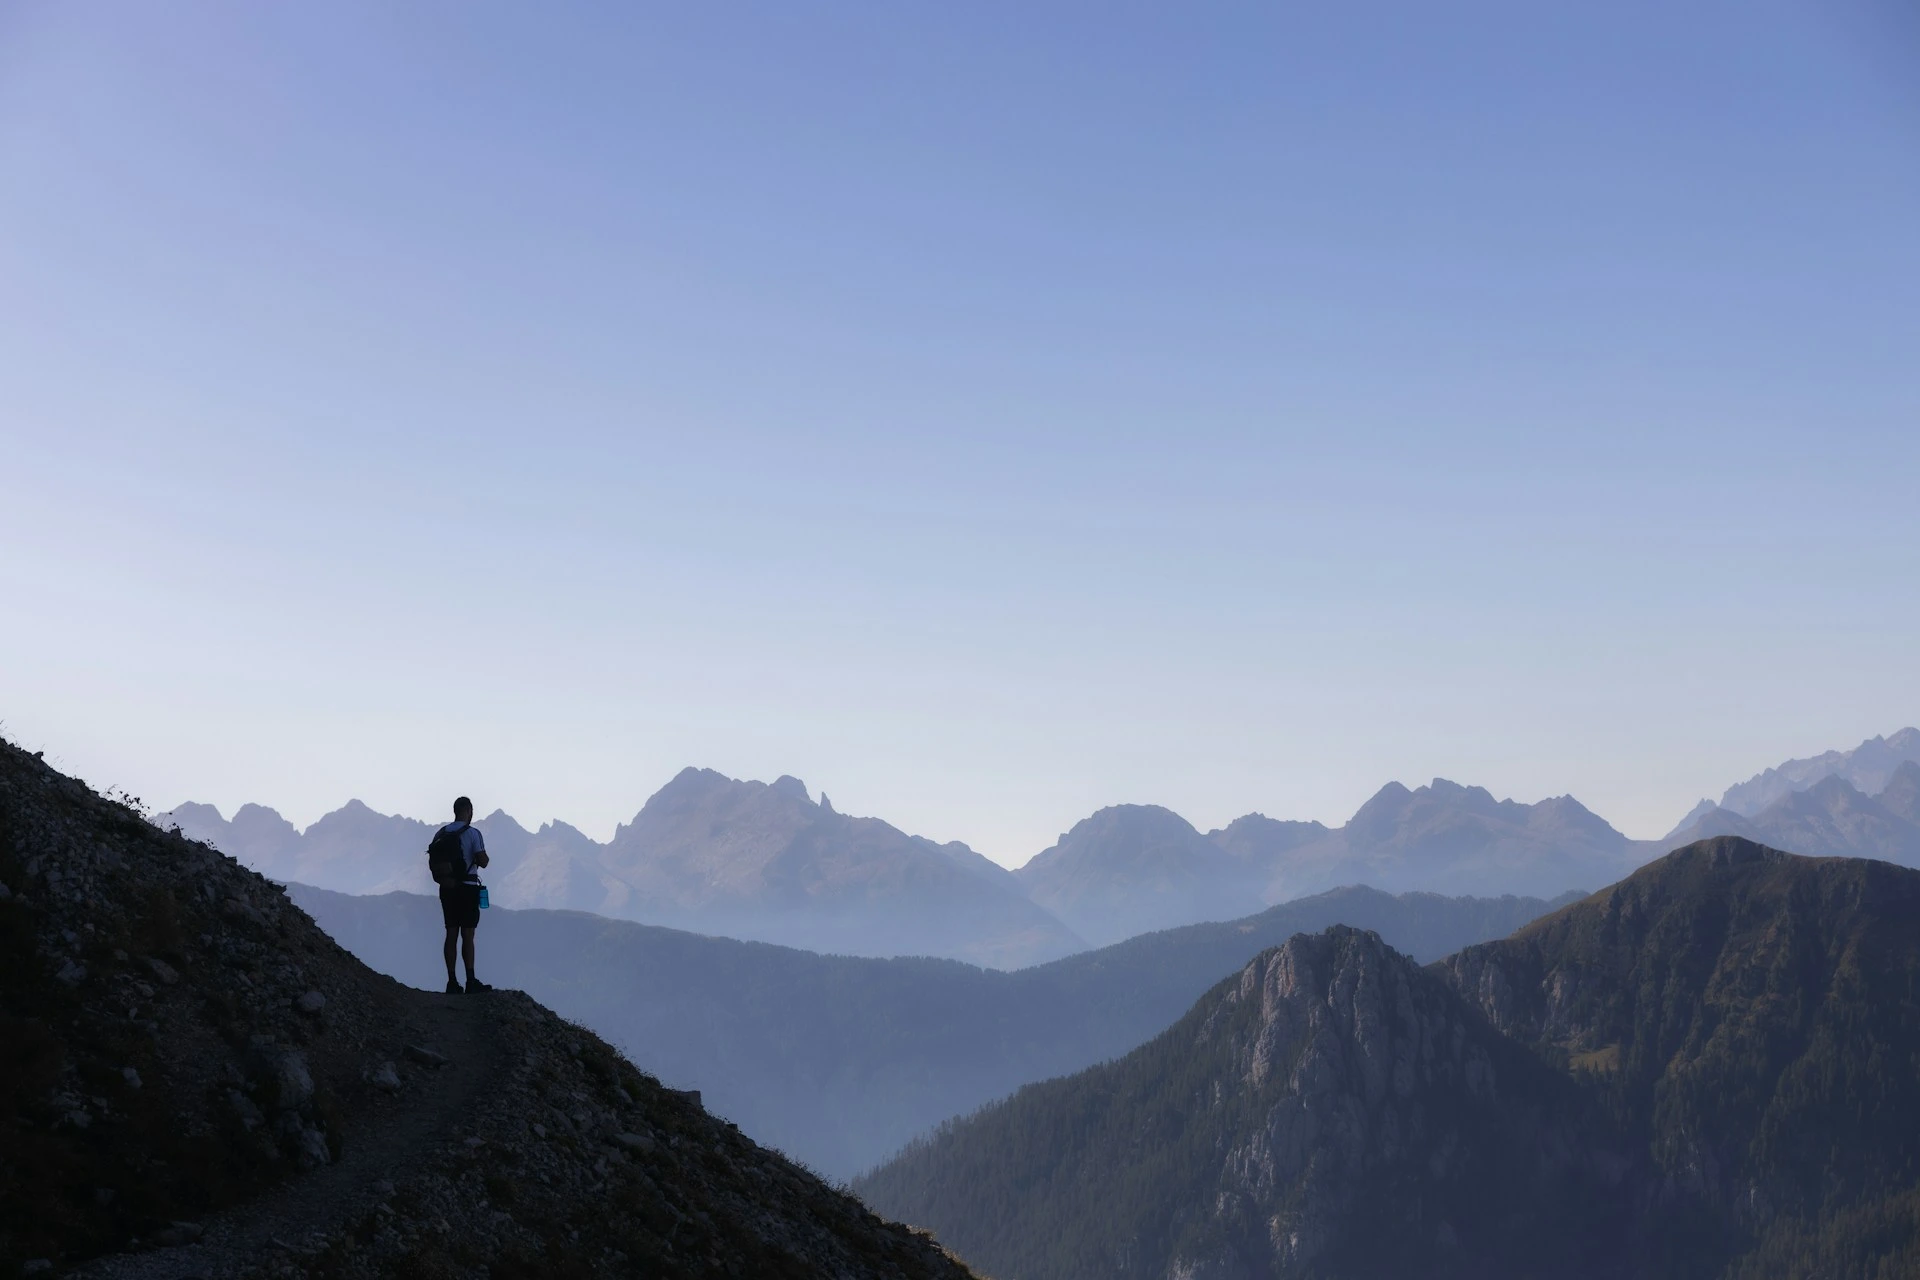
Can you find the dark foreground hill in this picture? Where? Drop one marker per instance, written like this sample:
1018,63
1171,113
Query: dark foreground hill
196,1081
840,1060
1712,1068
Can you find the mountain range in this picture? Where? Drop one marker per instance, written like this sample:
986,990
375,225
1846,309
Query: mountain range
1830,818
1868,767
839,1060
753,860
767,862
1705,1070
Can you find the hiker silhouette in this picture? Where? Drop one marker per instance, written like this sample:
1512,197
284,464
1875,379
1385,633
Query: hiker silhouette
455,856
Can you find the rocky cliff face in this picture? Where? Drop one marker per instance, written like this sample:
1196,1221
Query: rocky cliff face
1386,1087
1333,1109
195,1081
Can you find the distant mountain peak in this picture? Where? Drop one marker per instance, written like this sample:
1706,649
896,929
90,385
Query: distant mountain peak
1449,789
1132,868
1867,766
1381,813
501,818
788,785
1257,839
1694,815
1834,787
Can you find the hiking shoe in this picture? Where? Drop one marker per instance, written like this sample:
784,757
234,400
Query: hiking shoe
453,988
474,985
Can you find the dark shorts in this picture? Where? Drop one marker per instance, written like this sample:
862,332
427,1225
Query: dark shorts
460,905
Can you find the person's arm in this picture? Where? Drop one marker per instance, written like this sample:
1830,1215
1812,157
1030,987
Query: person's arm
480,858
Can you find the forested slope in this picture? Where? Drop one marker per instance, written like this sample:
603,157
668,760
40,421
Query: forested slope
1711,1068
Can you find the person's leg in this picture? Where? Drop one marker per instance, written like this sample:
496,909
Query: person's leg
466,952
452,933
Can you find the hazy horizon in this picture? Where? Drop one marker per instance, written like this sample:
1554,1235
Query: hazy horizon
983,415
816,794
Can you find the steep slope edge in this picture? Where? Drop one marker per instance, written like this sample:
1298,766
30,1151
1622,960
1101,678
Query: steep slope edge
197,1081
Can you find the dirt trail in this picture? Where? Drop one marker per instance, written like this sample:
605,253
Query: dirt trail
383,1143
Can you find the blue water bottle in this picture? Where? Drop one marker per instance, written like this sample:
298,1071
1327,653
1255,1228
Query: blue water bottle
483,897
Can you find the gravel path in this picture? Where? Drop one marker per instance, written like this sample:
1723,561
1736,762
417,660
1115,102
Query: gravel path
382,1145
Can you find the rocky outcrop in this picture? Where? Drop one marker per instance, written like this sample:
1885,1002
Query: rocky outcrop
1333,1109
1383,1080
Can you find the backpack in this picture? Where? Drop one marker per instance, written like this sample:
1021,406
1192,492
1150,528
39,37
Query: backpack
446,859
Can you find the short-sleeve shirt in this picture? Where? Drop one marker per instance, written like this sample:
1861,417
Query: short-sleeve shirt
472,845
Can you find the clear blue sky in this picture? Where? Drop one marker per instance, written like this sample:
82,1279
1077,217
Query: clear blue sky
986,412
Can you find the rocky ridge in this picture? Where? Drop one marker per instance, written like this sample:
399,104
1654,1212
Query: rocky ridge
198,1082
1332,1109
1867,767
1830,817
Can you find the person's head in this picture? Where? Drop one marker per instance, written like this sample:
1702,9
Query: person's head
463,810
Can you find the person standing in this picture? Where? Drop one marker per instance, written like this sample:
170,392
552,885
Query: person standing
457,853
